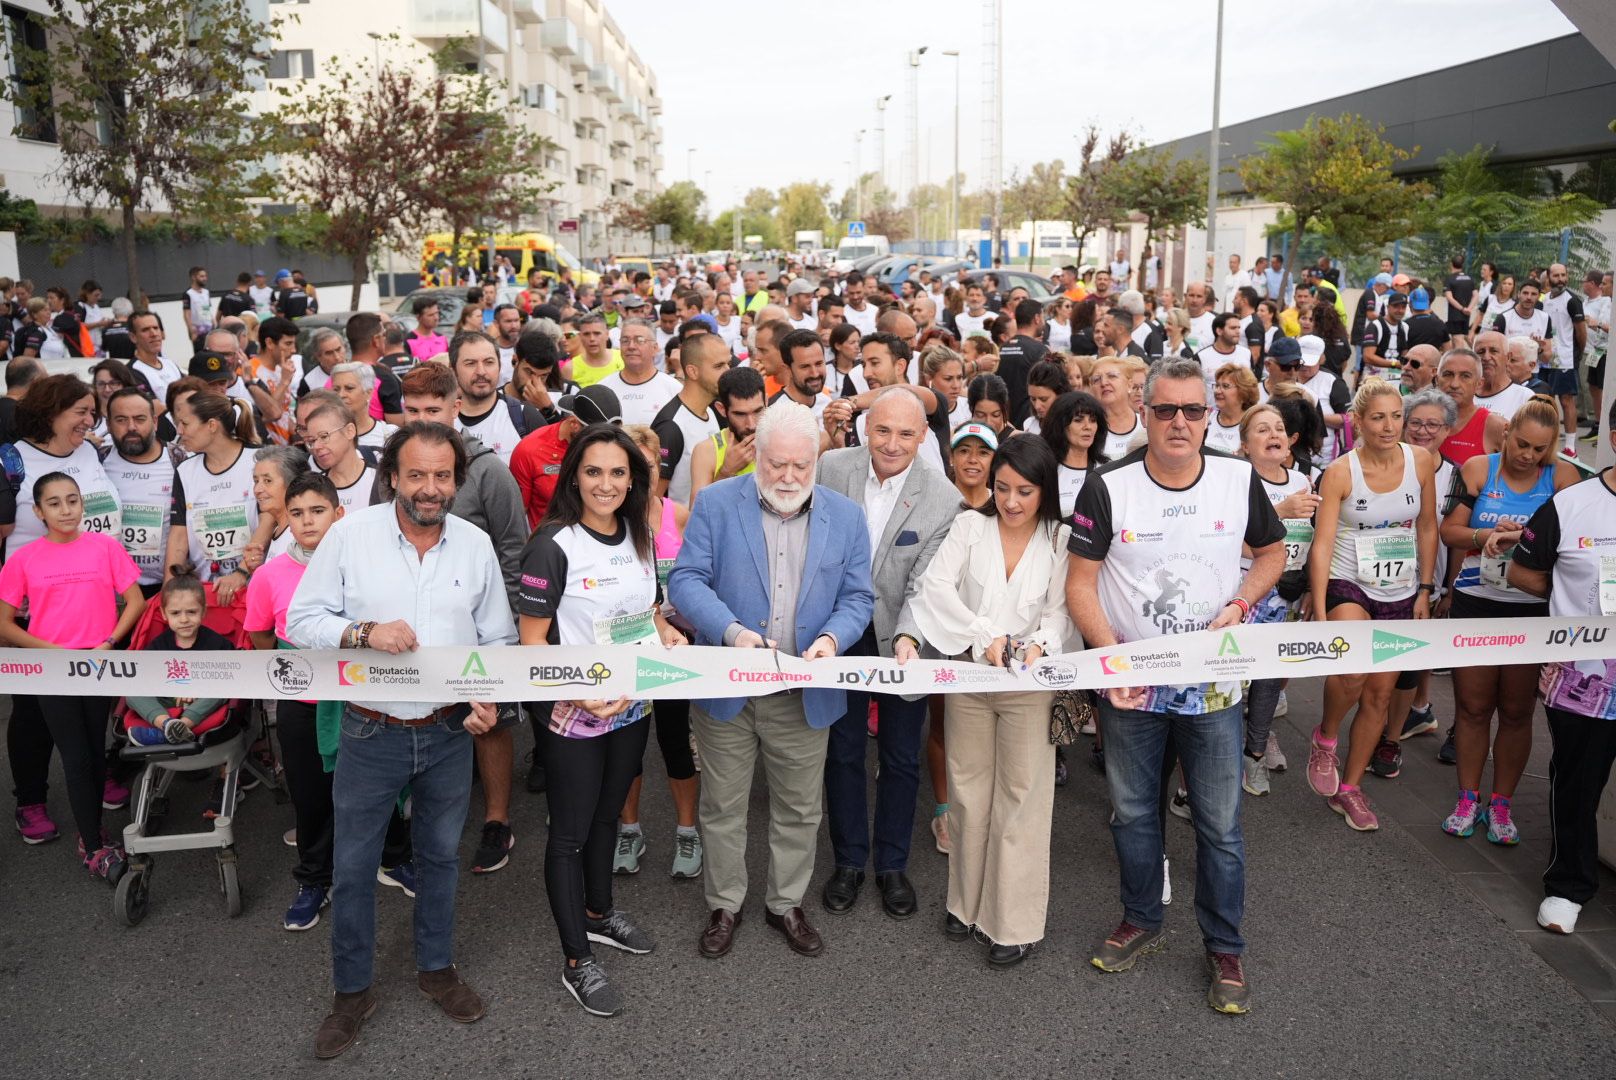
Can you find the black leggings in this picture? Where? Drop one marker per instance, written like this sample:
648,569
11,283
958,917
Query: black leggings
310,788
78,725
589,778
673,737
28,745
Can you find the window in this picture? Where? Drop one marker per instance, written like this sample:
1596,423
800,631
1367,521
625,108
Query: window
24,31
291,64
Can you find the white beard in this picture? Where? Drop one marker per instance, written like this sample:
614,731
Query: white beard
786,505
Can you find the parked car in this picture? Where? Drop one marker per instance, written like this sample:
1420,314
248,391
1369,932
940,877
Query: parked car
450,300
1037,287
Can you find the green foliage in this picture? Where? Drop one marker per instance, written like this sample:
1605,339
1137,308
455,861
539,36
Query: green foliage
1335,176
1091,201
802,206
1168,191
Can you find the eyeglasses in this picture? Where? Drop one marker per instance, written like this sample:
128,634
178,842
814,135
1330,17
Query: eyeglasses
1192,412
1425,425
322,438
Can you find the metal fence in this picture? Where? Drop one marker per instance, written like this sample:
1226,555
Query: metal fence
165,268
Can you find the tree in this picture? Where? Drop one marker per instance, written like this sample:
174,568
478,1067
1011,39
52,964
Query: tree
1037,195
802,206
495,164
1335,174
678,206
145,102
1474,211
370,157
1090,203
1167,191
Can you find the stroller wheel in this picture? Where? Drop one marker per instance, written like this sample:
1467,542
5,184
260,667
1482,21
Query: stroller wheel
129,902
229,884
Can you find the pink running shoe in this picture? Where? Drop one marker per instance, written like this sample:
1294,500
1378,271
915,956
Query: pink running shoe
1323,767
35,824
1353,805
1500,829
114,796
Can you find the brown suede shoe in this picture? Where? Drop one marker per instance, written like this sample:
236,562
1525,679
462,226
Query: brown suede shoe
458,1001
339,1030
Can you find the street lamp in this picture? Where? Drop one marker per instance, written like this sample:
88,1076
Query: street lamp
690,170
881,138
914,136
858,173
953,183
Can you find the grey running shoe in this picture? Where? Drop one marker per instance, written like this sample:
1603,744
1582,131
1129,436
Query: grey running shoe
588,986
1125,945
615,930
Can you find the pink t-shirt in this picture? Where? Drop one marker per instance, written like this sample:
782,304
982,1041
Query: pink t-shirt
269,594
72,589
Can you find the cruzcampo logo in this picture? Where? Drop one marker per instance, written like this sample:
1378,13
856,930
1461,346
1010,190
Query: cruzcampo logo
1385,645
1228,646
654,673
474,666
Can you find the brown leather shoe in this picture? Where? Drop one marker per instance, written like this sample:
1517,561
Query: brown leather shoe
458,1001
339,1030
719,936
801,936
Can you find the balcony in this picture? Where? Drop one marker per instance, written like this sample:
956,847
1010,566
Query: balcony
560,36
528,12
606,82
438,22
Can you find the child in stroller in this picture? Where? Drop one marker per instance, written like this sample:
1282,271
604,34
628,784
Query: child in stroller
154,720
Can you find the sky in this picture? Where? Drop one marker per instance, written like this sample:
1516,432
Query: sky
767,99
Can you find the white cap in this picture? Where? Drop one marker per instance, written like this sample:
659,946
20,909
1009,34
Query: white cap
1312,347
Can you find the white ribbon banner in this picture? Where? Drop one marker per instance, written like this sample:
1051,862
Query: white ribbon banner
547,673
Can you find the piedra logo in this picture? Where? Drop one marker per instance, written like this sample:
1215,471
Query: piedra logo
547,676
1300,652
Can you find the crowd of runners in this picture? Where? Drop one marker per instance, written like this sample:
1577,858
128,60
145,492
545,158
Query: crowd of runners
945,467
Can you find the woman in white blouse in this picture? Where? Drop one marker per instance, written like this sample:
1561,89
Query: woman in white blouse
995,593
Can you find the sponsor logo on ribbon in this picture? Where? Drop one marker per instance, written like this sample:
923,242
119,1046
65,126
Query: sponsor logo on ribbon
650,673
1385,645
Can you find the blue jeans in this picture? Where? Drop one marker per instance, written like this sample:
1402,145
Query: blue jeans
898,741
1209,745
375,762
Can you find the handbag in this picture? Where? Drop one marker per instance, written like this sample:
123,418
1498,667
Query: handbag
1073,711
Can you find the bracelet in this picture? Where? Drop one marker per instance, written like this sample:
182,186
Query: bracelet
364,634
1475,538
1245,608
1426,586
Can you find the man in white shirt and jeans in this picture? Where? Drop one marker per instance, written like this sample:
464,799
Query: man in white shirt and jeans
394,577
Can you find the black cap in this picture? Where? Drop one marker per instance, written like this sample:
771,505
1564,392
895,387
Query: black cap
1396,298
212,366
593,405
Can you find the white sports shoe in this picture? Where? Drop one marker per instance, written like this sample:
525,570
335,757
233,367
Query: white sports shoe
1167,881
1558,915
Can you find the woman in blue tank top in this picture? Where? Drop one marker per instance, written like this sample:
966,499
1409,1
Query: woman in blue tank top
1496,496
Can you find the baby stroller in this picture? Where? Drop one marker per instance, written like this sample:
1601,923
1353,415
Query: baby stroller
223,741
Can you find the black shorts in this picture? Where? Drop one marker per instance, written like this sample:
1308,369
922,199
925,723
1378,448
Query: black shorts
1596,375
1469,606
1341,591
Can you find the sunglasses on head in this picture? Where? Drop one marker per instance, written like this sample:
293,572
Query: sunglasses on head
1192,412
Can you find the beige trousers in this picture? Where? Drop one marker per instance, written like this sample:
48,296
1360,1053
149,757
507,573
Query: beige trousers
794,767
1001,798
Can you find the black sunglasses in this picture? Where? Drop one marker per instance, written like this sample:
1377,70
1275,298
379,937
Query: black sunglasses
1192,412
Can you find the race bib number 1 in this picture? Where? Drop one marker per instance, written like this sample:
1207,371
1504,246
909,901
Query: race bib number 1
1386,558
221,531
1494,569
101,513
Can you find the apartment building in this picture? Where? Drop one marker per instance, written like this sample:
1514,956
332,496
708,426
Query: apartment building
571,73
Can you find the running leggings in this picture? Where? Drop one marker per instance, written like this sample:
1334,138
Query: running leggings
589,778
673,737
79,727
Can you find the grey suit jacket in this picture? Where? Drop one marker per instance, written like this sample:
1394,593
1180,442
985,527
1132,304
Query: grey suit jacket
925,509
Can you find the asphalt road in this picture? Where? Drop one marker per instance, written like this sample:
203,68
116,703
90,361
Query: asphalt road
1368,957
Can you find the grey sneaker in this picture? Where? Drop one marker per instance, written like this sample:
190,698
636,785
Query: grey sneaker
1273,756
1255,780
1179,807
1125,945
615,930
1228,992
686,855
588,986
630,846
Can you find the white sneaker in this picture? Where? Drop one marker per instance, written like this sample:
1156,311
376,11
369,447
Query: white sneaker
1255,780
1558,915
1273,756
1167,881
1282,707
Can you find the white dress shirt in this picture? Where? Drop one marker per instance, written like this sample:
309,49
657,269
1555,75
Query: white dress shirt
965,600
879,499
365,569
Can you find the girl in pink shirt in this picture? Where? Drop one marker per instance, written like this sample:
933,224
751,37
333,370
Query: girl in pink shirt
70,581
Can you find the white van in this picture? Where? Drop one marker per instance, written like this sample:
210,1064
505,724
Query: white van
853,248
